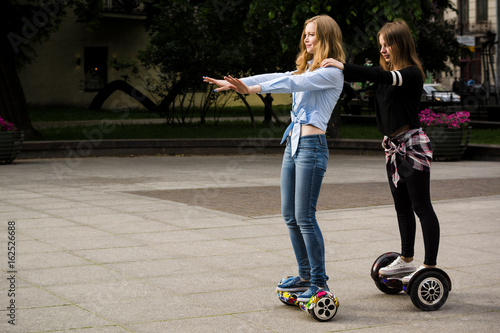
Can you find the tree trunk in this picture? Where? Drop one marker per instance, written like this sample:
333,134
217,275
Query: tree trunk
13,105
268,105
126,88
167,102
249,108
333,128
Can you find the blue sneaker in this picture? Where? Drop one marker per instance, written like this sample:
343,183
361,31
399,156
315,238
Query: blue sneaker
305,296
293,283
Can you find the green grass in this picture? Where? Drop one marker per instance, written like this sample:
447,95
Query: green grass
224,129
485,136
62,113
193,128
362,132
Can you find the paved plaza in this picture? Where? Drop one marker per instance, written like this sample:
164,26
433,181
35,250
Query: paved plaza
197,244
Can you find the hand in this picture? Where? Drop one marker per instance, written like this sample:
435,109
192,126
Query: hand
220,83
240,87
332,63
235,84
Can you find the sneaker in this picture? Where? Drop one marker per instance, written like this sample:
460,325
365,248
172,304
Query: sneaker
305,296
293,283
407,278
398,266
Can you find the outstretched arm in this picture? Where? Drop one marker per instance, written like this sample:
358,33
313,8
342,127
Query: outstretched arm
406,76
235,84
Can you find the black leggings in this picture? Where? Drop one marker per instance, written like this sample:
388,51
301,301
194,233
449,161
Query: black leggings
413,195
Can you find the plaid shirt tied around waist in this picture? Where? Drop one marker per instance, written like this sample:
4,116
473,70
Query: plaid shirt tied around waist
414,146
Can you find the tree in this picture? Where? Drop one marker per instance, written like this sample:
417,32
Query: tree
190,39
359,21
23,23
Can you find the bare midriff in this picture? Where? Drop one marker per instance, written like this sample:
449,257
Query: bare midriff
309,130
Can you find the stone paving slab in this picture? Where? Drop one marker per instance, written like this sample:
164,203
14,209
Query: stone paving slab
265,200
94,254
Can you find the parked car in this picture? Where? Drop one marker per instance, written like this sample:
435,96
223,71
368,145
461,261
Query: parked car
437,92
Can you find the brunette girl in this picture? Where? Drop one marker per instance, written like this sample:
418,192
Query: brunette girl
399,84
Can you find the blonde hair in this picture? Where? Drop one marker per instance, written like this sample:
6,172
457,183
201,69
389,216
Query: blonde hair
329,44
398,37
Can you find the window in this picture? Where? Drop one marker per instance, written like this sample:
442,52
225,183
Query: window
481,11
95,67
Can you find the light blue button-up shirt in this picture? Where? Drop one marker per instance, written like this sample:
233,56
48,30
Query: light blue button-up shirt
314,96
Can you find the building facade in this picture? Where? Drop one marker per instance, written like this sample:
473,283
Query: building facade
476,29
75,63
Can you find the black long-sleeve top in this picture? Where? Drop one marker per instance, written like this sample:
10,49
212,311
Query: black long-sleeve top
397,94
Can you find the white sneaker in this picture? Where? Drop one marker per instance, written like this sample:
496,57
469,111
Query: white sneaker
407,278
398,266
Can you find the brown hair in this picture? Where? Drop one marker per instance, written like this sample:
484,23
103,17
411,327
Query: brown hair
329,44
398,37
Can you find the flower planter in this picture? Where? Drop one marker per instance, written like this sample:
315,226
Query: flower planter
448,144
10,145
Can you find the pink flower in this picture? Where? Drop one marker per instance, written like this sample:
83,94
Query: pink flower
5,126
454,120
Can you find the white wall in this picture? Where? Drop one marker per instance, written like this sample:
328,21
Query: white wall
54,78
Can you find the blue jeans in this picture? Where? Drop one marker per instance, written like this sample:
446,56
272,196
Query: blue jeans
301,178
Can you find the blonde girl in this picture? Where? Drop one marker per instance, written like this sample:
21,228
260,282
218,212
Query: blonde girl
315,92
